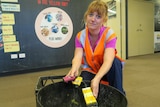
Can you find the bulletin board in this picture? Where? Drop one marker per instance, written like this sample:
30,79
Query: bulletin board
38,33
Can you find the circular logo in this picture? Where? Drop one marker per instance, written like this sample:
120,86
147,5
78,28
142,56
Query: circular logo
53,27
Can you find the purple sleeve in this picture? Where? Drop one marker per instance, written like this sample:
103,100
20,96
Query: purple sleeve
111,44
78,43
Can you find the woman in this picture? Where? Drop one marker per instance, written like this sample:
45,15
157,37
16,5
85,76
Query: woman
95,50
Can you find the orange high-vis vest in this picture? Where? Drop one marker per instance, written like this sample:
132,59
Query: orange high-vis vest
92,61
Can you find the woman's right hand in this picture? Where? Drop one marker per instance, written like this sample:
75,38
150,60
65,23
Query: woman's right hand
72,73
76,62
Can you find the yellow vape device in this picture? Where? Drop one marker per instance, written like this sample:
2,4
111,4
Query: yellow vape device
77,81
89,98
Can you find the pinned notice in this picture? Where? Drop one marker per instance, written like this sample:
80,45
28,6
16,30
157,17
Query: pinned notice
8,18
7,30
9,38
11,47
10,7
9,0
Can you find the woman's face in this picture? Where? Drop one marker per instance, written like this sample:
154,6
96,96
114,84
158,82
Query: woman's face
94,21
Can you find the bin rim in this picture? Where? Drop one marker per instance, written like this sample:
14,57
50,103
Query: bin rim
84,81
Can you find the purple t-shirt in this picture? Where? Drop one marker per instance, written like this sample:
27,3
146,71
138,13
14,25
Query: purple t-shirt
110,44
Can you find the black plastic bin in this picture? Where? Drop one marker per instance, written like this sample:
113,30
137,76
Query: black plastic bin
61,94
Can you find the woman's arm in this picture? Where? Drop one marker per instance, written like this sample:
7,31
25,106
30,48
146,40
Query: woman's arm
108,58
76,62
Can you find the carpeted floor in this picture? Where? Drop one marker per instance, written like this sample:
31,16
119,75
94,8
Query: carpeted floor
141,83
142,79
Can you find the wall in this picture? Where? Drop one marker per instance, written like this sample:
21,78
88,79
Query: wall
118,24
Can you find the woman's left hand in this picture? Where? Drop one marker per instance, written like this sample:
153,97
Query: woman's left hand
95,87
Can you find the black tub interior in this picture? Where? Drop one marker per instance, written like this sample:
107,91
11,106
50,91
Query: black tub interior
63,94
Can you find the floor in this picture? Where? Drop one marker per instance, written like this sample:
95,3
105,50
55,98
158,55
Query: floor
141,83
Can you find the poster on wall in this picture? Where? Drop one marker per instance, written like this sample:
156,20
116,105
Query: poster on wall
1,39
157,41
54,27
38,33
157,18
157,28
111,8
